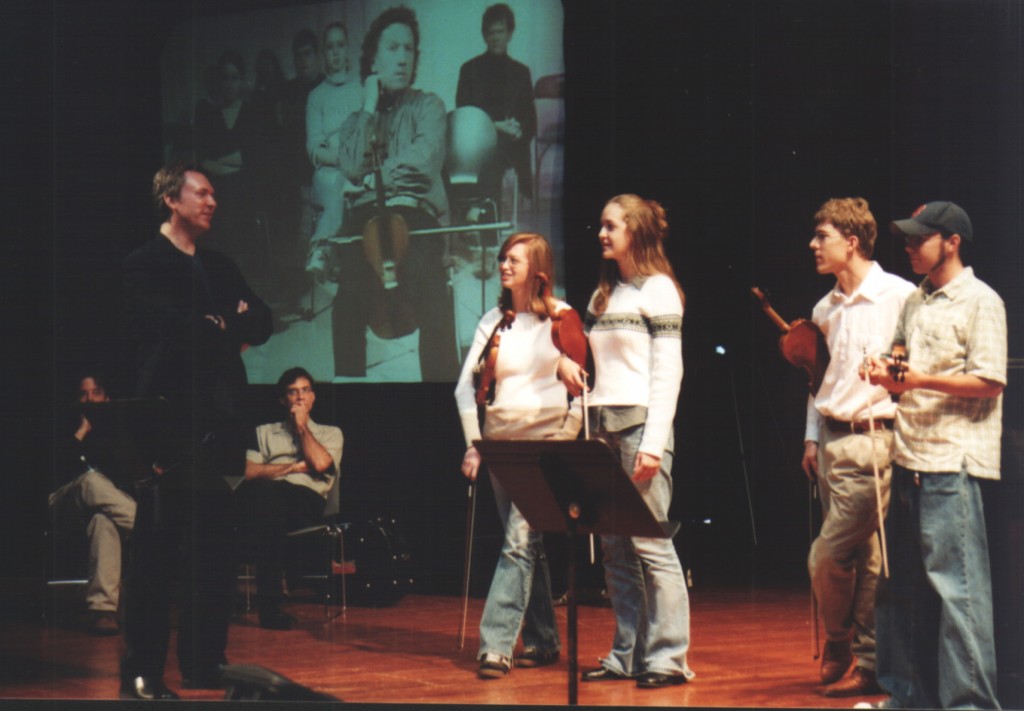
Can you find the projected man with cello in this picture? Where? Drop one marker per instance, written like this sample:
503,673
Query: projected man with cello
392,151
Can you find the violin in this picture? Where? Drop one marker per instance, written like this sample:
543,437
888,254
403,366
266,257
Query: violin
566,335
802,343
566,326
898,366
483,372
385,243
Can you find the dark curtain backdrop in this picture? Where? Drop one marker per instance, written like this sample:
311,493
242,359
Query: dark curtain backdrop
741,117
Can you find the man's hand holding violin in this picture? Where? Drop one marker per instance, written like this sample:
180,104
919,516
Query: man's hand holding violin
890,370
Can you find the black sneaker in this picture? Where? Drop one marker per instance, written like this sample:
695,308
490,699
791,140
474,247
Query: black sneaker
205,678
657,680
603,674
536,657
493,666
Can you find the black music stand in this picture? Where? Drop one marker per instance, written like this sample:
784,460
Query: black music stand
573,487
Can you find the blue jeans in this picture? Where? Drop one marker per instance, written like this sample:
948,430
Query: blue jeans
520,594
933,616
645,580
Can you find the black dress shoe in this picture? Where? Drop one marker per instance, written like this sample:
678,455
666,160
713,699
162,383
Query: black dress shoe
657,680
143,688
205,679
603,674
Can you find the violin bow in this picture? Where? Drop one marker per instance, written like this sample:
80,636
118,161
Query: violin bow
878,479
812,494
489,350
467,565
586,435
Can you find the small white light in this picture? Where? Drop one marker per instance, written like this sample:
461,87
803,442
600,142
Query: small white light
720,350
707,521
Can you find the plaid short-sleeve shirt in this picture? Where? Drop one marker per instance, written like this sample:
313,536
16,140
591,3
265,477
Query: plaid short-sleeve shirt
957,329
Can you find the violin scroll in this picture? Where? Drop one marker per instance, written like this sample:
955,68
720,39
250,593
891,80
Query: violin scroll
566,326
898,363
802,343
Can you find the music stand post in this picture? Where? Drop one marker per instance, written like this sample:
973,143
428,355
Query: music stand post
572,487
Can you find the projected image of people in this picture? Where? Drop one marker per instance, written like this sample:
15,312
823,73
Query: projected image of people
295,96
392,151
330,103
501,86
227,134
372,155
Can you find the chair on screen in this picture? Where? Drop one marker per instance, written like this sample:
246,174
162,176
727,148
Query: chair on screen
549,97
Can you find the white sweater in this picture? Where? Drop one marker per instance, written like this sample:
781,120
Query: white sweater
327,107
526,379
638,354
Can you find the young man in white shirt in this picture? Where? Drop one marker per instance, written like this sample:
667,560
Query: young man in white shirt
841,450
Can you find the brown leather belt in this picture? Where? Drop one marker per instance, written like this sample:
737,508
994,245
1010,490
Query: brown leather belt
841,427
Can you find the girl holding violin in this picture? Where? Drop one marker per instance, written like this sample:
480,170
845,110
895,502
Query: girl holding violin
634,323
515,347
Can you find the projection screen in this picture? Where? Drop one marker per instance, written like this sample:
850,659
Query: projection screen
464,144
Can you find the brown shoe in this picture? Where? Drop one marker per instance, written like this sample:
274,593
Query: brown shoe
104,624
861,682
835,660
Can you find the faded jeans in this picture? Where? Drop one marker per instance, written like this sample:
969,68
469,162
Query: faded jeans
520,594
645,580
934,614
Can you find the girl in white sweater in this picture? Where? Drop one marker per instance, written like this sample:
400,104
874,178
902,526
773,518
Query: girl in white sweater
529,402
634,324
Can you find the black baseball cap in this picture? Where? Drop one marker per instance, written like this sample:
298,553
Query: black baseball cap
940,216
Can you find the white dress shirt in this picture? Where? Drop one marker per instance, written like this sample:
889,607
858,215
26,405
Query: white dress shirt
855,325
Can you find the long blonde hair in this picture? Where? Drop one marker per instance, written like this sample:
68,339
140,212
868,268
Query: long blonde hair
541,271
647,225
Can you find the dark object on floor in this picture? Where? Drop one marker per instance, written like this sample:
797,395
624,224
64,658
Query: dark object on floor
273,617
383,573
248,682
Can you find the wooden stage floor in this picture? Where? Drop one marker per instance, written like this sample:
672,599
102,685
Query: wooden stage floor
748,648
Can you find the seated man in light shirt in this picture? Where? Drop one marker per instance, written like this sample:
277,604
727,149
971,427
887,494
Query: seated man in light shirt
287,477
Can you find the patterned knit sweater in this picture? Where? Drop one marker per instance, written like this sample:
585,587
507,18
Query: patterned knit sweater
638,355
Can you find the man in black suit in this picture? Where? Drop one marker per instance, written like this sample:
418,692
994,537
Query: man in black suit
189,312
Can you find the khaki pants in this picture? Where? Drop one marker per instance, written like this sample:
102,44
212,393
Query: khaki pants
106,511
846,558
